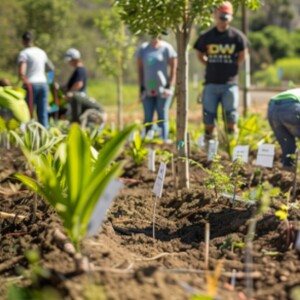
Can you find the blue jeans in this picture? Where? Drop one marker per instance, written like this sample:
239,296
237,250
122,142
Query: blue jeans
227,95
40,100
161,105
284,118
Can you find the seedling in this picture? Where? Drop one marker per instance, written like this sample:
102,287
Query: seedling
137,150
231,245
34,274
218,180
282,214
72,183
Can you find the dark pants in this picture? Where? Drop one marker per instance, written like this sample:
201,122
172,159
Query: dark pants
80,102
284,118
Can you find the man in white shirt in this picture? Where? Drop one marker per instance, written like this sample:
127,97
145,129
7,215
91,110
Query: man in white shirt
32,64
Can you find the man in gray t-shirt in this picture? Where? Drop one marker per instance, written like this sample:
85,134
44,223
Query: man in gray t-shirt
156,61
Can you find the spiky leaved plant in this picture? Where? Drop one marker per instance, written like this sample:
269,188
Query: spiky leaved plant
72,182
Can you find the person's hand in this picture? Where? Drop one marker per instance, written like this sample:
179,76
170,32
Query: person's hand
169,91
69,95
141,93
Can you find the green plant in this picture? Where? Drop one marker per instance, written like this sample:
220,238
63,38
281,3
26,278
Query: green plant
235,177
217,179
229,244
72,183
34,274
137,150
37,139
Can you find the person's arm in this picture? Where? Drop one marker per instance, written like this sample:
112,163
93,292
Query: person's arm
77,86
241,56
173,67
202,57
140,71
22,72
49,65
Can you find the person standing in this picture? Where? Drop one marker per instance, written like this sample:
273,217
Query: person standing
156,64
33,63
283,116
222,49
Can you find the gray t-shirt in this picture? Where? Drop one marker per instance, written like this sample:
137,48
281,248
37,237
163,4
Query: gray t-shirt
36,60
155,62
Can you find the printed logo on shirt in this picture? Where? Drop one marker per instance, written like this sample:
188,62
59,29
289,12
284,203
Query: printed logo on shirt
152,59
219,53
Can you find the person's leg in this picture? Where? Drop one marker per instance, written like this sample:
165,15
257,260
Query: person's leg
289,116
230,102
210,101
162,107
149,104
285,139
40,95
75,109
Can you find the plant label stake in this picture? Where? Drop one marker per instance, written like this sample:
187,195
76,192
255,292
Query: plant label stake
265,155
150,134
112,126
102,206
157,189
201,141
212,149
241,151
295,175
132,136
151,160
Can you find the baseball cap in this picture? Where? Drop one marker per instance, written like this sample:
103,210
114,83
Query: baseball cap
226,10
72,53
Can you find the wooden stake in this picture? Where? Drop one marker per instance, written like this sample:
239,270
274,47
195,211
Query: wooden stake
5,215
154,217
207,238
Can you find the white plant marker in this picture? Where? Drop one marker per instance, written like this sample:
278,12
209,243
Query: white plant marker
102,206
241,151
201,140
151,160
207,238
157,189
265,155
112,126
132,136
150,134
212,149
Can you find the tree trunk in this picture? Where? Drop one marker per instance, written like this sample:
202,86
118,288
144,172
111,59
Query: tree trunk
182,38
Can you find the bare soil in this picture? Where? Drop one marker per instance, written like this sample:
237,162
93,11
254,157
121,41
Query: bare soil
129,264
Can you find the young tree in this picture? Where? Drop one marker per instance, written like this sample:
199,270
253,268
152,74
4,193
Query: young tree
153,17
116,50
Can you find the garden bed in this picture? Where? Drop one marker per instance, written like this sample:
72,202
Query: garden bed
127,263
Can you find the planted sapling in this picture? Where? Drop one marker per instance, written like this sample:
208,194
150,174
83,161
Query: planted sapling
137,150
74,185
